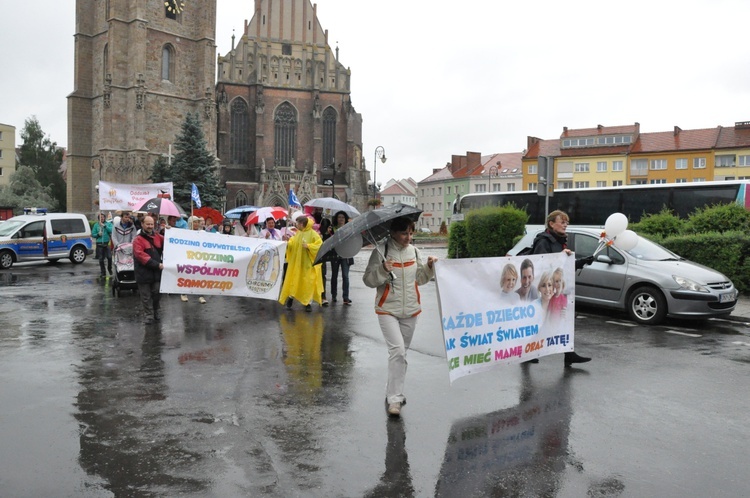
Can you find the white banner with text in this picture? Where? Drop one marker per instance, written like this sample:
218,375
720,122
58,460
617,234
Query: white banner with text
205,263
507,310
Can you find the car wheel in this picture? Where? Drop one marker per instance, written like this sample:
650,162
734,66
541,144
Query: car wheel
6,260
78,255
647,305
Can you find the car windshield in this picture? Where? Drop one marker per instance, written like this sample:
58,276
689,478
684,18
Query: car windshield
651,251
9,227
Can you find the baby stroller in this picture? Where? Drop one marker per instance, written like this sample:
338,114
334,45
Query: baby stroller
124,269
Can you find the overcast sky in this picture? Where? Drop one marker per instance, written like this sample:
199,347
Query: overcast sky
433,78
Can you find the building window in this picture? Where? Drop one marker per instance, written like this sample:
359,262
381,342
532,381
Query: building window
564,185
440,206
285,134
533,169
658,181
681,163
602,183
238,132
286,49
1,136
240,199
616,165
699,163
639,167
329,136
681,180
582,167
448,190
1,171
601,167
582,184
433,191
743,160
658,164
726,161
533,186
440,190
167,63
480,187
617,183
642,181
496,187
511,187
698,180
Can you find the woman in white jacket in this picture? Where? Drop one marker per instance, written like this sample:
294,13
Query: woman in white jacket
396,276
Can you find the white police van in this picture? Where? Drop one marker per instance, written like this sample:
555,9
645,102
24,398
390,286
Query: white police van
39,235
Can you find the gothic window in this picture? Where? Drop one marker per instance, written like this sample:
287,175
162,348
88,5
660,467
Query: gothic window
329,136
285,134
239,131
240,199
105,62
167,63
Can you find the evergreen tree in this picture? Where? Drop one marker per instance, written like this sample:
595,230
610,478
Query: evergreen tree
44,158
161,171
194,164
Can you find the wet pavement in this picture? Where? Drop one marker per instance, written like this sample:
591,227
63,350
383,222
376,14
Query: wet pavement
240,397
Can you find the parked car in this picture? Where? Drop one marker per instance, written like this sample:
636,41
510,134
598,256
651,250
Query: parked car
649,281
45,236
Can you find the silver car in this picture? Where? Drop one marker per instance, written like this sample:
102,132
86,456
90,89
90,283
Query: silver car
649,281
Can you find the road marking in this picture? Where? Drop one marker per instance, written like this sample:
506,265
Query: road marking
677,332
624,324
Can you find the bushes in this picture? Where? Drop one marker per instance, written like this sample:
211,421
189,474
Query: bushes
663,224
487,232
721,218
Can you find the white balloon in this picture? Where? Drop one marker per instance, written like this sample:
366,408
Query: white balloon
615,224
626,240
350,247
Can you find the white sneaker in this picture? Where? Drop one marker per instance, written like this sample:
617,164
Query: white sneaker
183,298
201,300
394,409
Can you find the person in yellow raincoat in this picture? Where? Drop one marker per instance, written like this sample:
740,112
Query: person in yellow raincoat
303,281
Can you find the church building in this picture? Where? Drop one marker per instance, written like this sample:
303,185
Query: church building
280,115
285,116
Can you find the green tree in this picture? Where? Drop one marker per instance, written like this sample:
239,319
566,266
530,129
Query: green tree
44,158
24,190
161,171
194,164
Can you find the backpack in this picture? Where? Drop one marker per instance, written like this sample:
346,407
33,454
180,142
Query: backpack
530,249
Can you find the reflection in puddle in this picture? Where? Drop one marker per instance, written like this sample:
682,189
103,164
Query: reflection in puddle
8,278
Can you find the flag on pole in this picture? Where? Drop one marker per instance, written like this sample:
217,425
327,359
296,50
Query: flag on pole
293,201
195,196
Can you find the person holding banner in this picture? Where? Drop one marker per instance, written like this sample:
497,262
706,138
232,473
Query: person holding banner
303,281
555,239
396,274
147,255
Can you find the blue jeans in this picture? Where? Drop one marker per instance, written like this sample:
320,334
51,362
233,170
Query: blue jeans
344,264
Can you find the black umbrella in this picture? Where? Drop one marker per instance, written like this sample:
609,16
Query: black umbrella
367,228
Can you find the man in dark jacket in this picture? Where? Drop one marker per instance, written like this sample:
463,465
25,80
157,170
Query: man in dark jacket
147,251
555,239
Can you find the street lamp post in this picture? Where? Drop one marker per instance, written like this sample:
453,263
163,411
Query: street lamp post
379,153
493,169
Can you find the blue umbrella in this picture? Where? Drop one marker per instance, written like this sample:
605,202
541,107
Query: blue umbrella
237,212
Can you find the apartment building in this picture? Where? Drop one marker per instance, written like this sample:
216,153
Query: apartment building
7,153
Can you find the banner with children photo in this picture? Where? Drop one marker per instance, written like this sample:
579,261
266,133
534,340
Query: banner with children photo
205,263
502,311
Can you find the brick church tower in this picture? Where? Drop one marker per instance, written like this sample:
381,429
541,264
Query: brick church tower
140,67
285,116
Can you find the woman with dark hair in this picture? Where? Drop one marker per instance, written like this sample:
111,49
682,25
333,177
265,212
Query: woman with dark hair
396,275
326,230
339,220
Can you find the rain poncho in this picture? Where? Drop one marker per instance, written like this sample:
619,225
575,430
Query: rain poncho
303,281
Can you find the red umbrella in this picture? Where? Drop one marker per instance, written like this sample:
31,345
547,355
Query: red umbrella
206,212
264,213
